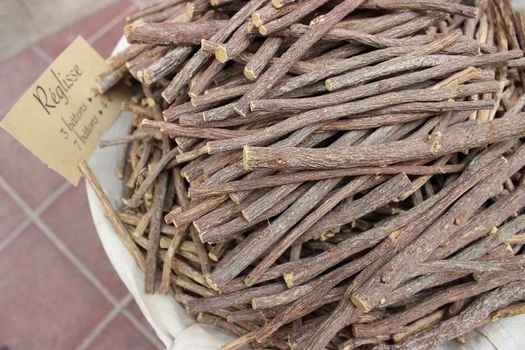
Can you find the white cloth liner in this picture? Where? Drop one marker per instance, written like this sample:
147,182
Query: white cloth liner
173,326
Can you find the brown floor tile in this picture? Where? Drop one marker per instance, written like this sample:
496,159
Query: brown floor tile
54,44
52,15
70,219
30,178
11,215
105,44
17,28
17,74
134,309
46,302
120,334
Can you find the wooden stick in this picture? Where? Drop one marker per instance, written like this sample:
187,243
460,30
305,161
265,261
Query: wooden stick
450,142
166,65
168,260
351,108
345,312
196,62
169,33
174,130
362,301
229,230
237,298
113,216
179,218
239,41
290,178
427,5
119,59
376,198
367,74
136,199
262,57
284,105
469,319
421,324
154,233
300,11
270,12
205,78
294,53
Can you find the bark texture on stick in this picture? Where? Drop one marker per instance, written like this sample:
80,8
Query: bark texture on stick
331,174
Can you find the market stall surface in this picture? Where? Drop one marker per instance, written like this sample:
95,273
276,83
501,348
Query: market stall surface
58,289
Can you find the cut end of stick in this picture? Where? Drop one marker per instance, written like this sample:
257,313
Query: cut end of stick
166,97
239,111
129,202
214,2
251,27
461,340
140,76
250,281
164,288
249,74
263,30
277,3
190,10
100,88
235,199
245,155
245,215
359,303
192,95
394,235
130,28
213,257
256,19
146,78
329,85
210,283
151,102
221,54
197,228
289,279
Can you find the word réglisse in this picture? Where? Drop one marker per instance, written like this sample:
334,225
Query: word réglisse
51,97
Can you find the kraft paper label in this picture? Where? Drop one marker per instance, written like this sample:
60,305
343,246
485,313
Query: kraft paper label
61,118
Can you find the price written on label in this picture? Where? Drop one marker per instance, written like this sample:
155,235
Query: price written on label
62,116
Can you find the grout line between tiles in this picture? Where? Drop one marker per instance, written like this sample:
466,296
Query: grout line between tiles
40,53
14,235
99,328
52,198
33,217
43,206
109,25
142,329
74,260
58,243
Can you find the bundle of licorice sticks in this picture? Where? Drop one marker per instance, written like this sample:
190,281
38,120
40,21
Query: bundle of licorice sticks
331,174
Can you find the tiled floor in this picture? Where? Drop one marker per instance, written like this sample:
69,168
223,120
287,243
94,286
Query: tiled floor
58,289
